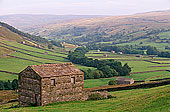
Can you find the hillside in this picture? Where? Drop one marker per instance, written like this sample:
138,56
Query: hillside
6,34
16,56
9,33
146,27
22,21
139,100
19,50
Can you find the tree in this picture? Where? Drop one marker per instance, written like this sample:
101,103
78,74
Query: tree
15,84
112,82
152,51
1,85
50,46
90,74
107,68
125,70
7,85
96,74
107,71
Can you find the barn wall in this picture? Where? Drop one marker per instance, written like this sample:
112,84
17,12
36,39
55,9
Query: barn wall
63,90
29,88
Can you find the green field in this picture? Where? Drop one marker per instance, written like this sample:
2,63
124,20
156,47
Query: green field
137,100
160,46
97,82
142,76
15,44
138,65
165,35
14,65
57,51
7,76
17,65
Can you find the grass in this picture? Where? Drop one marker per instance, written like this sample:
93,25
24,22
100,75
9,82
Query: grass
15,44
4,51
14,65
165,35
84,67
137,66
116,56
41,55
17,65
160,46
151,75
96,82
143,76
162,61
137,100
35,58
7,76
140,66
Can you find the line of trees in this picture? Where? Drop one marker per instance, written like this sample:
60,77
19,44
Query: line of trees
153,51
127,49
105,68
130,49
9,85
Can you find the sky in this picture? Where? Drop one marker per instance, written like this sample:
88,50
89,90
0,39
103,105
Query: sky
82,7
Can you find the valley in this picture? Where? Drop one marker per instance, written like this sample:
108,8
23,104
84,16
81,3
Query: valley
130,36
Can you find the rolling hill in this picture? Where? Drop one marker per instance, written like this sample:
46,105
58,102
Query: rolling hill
22,21
6,34
145,27
9,33
16,55
19,50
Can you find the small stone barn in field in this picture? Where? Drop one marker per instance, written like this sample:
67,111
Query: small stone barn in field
49,83
124,81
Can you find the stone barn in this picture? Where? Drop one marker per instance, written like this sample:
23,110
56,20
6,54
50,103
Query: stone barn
43,84
140,56
124,81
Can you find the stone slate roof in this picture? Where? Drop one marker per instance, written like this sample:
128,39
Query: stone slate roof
124,79
49,70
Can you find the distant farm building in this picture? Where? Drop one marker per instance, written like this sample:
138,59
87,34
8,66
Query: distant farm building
124,81
46,53
140,56
105,55
120,52
23,42
152,56
49,83
113,52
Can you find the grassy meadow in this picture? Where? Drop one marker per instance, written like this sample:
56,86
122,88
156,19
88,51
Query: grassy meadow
136,100
59,56
16,65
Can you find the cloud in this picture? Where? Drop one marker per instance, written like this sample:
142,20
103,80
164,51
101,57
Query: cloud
105,7
1,2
